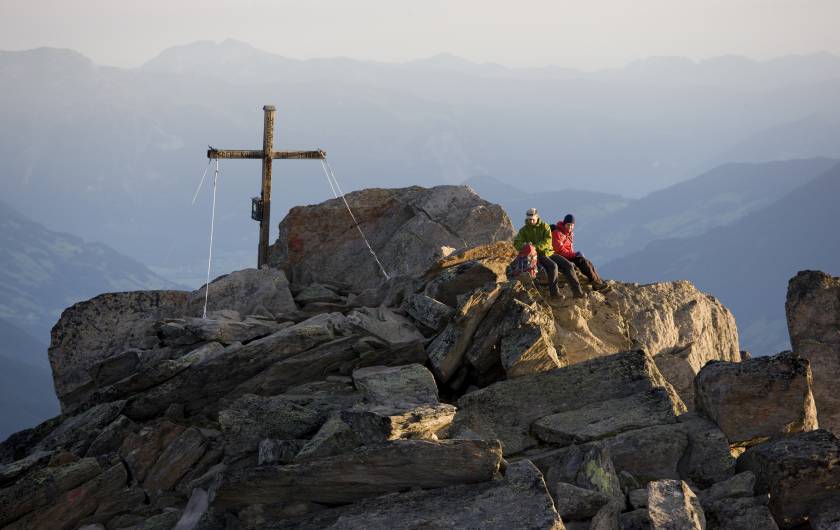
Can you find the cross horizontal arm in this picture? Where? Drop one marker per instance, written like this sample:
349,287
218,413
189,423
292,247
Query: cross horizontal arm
228,153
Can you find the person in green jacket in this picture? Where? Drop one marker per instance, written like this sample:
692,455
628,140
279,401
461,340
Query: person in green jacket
538,233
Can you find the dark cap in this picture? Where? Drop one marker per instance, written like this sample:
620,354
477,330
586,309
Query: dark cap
569,219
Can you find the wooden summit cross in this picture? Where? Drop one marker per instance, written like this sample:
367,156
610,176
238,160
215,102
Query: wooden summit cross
261,211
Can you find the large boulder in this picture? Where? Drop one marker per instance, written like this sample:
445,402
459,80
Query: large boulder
813,315
61,507
759,398
446,352
733,505
401,386
581,479
607,418
249,292
83,358
384,324
250,419
519,500
501,330
680,326
408,228
800,471
204,383
508,409
366,472
78,342
692,449
673,506
460,279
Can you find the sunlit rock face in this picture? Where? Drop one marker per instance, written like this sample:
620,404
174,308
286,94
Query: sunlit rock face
680,326
408,228
813,315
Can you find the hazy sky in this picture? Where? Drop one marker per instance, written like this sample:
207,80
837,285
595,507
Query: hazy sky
575,33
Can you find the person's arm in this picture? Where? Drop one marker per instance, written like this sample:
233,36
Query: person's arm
517,241
545,247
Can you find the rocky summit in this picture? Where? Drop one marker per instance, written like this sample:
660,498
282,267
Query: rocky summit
317,393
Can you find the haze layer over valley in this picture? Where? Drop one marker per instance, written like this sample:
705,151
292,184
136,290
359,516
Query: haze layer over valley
127,145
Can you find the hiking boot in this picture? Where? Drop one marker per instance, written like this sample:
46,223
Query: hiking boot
600,286
577,293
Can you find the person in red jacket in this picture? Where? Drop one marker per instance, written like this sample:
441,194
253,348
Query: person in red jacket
563,242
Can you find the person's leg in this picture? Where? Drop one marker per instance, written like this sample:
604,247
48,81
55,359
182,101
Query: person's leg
550,271
588,269
568,271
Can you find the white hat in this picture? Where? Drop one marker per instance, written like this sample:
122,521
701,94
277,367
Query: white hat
531,214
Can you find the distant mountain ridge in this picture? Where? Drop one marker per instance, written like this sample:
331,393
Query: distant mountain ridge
623,132
42,272
552,205
747,263
611,226
715,198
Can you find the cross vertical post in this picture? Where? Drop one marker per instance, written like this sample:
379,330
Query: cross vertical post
268,147
267,154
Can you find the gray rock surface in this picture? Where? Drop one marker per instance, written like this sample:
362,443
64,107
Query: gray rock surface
385,324
574,503
742,513
250,419
398,386
813,315
334,437
740,485
225,328
607,418
708,459
680,326
248,292
673,506
409,228
527,348
828,519
519,500
638,498
428,311
65,510
380,423
453,283
446,351
317,293
800,471
39,489
206,382
759,398
76,433
274,451
366,472
649,454
314,364
635,520
78,342
506,410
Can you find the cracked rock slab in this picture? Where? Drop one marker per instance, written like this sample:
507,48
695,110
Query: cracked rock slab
366,472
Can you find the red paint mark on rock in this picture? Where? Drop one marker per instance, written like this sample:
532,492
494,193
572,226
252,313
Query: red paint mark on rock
295,244
76,494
